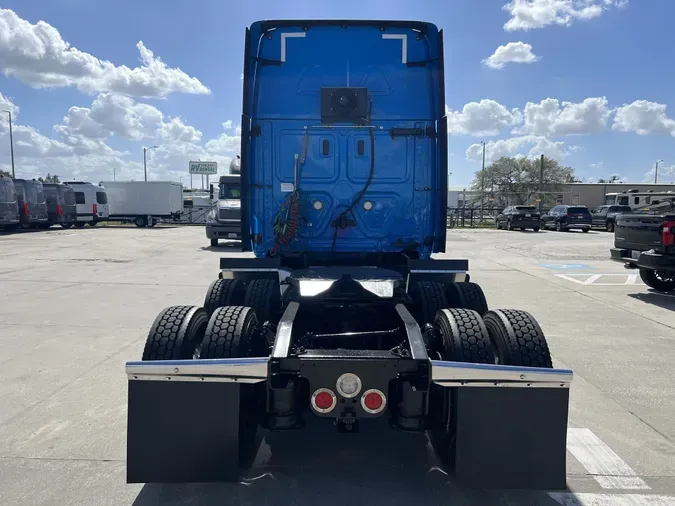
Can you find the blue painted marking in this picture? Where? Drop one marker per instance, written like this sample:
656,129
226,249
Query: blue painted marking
563,267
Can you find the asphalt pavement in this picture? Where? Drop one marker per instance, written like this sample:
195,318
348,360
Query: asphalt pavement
75,305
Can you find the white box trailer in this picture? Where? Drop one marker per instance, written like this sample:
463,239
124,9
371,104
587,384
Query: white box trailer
144,202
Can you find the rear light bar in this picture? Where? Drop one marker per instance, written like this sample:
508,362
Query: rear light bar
94,209
668,233
59,210
26,211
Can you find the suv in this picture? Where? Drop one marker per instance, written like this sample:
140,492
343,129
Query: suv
521,217
32,204
564,218
9,208
60,205
605,216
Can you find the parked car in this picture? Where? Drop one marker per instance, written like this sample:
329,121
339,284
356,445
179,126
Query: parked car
563,218
91,201
645,240
32,204
9,207
605,216
61,208
521,217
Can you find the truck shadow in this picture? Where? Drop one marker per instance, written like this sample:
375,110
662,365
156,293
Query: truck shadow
224,246
660,299
314,467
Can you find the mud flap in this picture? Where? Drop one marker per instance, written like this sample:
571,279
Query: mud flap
509,438
184,431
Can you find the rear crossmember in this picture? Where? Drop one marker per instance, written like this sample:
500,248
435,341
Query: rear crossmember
501,425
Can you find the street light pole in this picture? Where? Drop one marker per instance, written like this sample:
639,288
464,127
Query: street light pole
11,140
145,164
656,172
482,185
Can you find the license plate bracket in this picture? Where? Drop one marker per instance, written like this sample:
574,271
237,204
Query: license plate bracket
232,235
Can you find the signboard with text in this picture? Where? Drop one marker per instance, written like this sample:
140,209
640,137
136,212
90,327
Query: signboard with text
203,168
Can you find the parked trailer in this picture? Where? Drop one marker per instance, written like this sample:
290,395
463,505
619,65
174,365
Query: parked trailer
342,318
144,203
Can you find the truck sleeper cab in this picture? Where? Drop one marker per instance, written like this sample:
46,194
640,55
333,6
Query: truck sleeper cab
9,206
342,318
32,203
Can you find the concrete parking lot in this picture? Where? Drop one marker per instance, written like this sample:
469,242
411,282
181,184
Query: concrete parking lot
76,304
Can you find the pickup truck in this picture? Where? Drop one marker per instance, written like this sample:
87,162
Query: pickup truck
646,241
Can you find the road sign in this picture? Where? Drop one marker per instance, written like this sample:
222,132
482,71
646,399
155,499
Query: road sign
203,168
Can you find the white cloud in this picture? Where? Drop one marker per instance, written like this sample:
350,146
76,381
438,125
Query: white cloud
518,147
483,118
550,118
177,131
643,117
7,105
597,165
227,142
513,52
531,14
37,55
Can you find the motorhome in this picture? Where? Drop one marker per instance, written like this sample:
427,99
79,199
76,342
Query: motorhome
637,199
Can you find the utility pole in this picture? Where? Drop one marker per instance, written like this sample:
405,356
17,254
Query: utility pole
482,184
541,179
11,140
145,165
656,172
113,173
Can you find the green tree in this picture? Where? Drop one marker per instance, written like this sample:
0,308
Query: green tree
50,179
515,181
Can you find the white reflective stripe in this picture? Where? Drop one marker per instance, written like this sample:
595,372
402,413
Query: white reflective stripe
404,42
580,499
608,469
284,36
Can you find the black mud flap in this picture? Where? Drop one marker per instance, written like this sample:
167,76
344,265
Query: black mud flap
509,438
184,431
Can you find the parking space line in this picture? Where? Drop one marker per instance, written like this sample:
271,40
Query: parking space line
608,469
586,279
572,499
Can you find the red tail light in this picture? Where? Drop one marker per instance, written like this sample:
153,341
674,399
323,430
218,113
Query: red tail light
668,234
25,208
373,401
94,208
324,400
59,210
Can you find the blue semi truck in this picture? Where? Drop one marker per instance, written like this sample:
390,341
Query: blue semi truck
341,316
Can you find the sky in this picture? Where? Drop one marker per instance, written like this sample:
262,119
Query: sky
90,83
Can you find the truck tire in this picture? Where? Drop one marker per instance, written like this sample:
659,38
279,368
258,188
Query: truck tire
66,225
176,334
231,333
224,292
141,221
463,336
214,243
466,296
79,224
609,226
264,296
428,298
93,223
517,338
656,281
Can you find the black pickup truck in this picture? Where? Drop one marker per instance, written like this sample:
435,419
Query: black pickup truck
645,240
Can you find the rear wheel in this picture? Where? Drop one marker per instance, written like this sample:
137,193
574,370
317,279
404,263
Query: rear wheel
263,295
93,223
509,226
234,332
466,296
214,242
66,225
609,226
536,229
585,230
176,334
661,281
79,224
224,292
517,338
141,221
558,226
428,298
463,337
